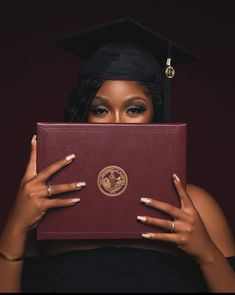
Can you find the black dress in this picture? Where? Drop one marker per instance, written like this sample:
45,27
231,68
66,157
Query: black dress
112,270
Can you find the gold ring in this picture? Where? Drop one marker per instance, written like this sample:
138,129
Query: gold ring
172,226
49,191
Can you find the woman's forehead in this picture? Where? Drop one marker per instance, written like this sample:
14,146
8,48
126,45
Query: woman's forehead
116,91
120,86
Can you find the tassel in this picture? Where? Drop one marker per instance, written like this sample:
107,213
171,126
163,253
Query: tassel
169,72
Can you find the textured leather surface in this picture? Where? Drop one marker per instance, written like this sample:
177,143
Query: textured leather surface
148,153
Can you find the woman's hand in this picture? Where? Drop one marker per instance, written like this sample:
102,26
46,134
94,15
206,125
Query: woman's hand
32,199
186,230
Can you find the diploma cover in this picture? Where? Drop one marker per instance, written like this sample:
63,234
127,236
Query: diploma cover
120,163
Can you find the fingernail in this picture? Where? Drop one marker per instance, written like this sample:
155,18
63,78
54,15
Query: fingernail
70,158
74,201
142,218
145,200
176,177
80,184
147,236
33,140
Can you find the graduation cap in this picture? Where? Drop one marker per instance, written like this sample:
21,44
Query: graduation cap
126,50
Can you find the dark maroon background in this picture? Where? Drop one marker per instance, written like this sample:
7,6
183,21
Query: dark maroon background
36,79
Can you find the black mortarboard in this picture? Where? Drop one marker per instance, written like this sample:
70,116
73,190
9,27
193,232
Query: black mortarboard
126,50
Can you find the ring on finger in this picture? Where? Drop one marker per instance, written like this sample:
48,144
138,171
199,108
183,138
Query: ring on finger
49,191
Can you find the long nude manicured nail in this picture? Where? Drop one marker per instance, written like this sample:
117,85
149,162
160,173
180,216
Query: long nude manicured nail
176,177
147,236
70,158
33,140
142,218
74,201
145,200
80,184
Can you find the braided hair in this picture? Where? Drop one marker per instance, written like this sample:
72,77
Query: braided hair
153,89
80,100
82,95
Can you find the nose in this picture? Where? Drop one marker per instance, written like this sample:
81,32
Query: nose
117,117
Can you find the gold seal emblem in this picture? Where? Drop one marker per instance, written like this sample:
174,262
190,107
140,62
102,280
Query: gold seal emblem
112,181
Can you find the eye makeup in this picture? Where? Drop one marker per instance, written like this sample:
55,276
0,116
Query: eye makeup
98,110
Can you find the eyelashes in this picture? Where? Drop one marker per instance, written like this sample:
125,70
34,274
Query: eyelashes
133,110
98,110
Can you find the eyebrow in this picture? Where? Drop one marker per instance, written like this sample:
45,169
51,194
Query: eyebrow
101,100
130,100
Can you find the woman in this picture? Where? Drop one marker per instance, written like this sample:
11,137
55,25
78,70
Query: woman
194,253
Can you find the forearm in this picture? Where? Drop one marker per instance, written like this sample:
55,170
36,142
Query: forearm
218,273
12,243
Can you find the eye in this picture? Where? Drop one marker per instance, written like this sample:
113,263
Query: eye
136,110
98,111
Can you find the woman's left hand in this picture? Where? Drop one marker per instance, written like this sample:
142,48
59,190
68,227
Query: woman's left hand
187,229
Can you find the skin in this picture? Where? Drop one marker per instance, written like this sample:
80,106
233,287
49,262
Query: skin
201,229
121,102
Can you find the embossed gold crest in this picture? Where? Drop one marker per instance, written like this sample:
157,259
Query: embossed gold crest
112,181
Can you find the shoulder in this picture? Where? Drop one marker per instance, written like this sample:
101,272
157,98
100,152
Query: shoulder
213,218
201,197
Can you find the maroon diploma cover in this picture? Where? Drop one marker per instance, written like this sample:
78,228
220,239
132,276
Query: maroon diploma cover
120,163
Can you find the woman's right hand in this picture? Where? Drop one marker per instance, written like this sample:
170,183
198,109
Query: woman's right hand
32,199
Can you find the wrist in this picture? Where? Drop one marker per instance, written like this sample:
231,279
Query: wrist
10,258
15,229
210,257
12,242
